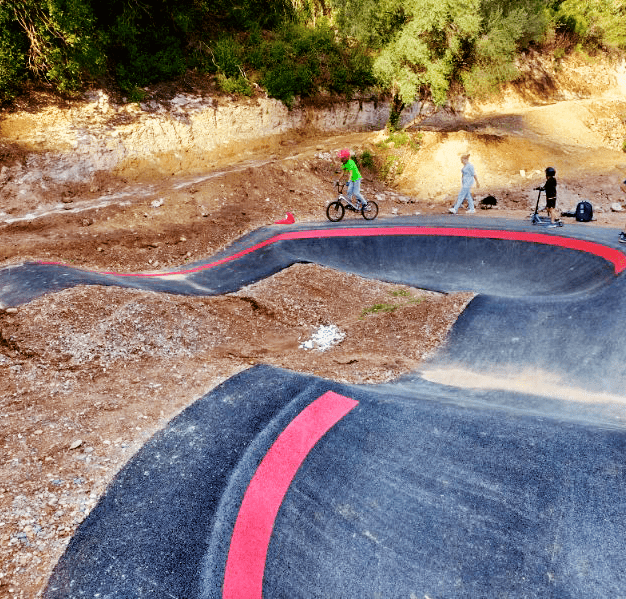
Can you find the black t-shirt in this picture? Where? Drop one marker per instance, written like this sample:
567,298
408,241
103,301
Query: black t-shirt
550,187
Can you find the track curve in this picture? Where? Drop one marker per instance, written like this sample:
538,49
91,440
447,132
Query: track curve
425,487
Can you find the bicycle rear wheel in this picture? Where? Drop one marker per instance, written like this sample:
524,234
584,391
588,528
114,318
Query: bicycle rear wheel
335,211
370,210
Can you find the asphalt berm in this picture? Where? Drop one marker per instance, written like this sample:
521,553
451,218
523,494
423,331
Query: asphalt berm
422,486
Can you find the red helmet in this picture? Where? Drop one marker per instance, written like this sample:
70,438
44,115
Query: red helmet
345,153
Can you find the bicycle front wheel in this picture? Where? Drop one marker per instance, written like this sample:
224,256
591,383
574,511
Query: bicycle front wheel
335,211
370,210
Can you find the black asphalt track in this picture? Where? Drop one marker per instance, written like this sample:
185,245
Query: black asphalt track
422,488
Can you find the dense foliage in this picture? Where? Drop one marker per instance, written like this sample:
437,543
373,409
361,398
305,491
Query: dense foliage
408,48
426,45
598,22
297,61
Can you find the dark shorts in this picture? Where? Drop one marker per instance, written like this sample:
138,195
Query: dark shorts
550,202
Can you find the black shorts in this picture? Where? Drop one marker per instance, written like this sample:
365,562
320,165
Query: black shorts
550,202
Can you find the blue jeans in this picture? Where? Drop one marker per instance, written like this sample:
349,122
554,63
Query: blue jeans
465,194
354,188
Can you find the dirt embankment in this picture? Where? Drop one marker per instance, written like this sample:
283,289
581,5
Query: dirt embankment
90,373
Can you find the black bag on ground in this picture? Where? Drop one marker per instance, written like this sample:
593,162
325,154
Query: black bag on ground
488,202
584,212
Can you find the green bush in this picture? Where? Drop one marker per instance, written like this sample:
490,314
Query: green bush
12,61
227,56
367,159
389,166
135,94
401,138
483,80
234,85
287,81
56,40
596,23
69,42
302,61
144,66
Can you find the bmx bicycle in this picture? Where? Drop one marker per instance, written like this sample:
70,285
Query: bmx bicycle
337,208
543,221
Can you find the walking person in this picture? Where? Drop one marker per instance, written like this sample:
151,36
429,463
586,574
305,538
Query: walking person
468,178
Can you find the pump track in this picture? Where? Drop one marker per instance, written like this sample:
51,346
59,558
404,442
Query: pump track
281,485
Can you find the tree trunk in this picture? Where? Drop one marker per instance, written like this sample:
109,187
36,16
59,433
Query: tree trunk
397,105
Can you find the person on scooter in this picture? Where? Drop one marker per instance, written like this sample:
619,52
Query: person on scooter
550,188
354,178
622,235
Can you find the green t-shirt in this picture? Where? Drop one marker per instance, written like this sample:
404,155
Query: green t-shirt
351,166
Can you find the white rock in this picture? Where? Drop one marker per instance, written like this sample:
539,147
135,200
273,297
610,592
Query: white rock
324,338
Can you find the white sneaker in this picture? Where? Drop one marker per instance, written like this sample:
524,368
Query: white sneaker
451,210
472,211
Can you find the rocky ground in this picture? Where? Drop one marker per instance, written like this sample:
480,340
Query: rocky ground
89,374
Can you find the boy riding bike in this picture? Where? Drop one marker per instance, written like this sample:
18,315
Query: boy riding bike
354,178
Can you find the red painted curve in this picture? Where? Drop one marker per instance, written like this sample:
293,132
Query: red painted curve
245,565
612,255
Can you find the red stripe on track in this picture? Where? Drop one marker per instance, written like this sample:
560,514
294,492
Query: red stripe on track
612,255
243,576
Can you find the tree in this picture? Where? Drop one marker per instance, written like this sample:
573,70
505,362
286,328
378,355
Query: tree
13,49
54,39
506,28
374,23
425,45
156,40
422,58
600,22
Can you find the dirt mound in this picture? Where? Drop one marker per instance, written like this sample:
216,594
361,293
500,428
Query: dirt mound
89,374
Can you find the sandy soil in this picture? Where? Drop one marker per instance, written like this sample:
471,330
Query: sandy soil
89,374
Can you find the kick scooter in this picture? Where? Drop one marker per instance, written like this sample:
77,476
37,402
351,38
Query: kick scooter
542,221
